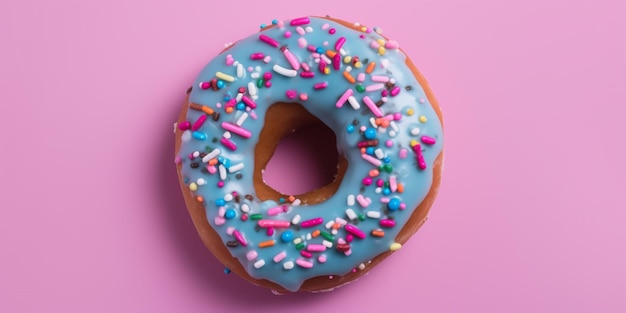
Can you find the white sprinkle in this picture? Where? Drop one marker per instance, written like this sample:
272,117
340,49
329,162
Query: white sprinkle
327,244
186,136
196,154
350,200
392,133
308,236
309,29
255,75
230,230
379,153
296,202
288,265
259,263
394,126
354,103
361,266
252,90
341,221
235,63
200,181
238,97
240,71
378,190
284,71
415,131
384,63
342,51
222,170
351,214
235,168
242,119
334,231
245,208
373,122
297,241
226,135
296,219
228,197
214,153
329,224
267,59
373,214
326,59
349,68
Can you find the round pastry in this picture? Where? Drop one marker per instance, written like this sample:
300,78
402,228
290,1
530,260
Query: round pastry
291,75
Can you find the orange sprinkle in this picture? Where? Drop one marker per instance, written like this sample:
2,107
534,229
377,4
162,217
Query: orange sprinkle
349,77
213,161
336,225
378,233
207,110
330,53
267,243
400,188
291,198
384,123
374,173
200,199
362,150
378,121
370,67
229,110
315,233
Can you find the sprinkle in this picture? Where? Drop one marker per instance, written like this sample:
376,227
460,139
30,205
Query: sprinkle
277,210
395,91
312,222
273,223
222,171
321,85
315,247
390,44
245,208
240,238
280,256
351,214
355,231
348,77
387,223
321,258
242,119
302,42
225,77
284,71
337,62
270,41
423,119
236,130
367,143
369,158
251,255
198,135
257,56
296,219
228,144
372,106
291,58
350,200
415,131
419,156
300,30
339,43
393,185
378,233
373,214
267,243
240,71
300,21
304,263
370,67
307,74
363,202
248,102
214,153
354,103
428,140
288,265
395,246
258,264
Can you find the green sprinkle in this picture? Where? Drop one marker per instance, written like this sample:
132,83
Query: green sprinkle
256,217
360,88
361,216
300,246
328,236
259,82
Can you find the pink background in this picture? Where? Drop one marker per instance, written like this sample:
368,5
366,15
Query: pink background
531,215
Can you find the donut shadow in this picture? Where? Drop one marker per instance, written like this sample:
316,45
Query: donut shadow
204,270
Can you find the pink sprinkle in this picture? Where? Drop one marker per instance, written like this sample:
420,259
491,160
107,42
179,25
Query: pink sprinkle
403,153
200,121
374,87
267,75
302,42
257,56
344,98
384,200
376,162
419,156
304,263
311,48
304,96
236,130
321,85
307,74
349,238
184,125
363,202
360,77
219,220
240,238
395,91
374,44
280,256
315,247
322,67
291,58
177,159
397,116
270,231
231,103
220,184
300,30
230,61
212,169
321,259
277,210
390,44
249,102
389,143
312,222
380,78
332,31
384,93
291,94
393,184
402,206
268,40
306,254
372,106
205,85
355,231
268,84
300,21
367,181
274,223
380,182
337,62
387,223
251,255
228,144
428,140
305,67
339,43
325,26
287,34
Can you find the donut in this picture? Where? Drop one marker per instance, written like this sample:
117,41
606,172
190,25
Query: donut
290,75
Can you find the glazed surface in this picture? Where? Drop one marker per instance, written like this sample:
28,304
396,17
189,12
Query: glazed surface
385,127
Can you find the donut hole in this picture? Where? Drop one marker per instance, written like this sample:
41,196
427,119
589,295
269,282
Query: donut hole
296,155
303,161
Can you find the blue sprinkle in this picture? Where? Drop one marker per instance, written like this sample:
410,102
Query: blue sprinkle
286,236
281,200
350,128
369,150
370,133
186,180
386,160
230,214
393,204
386,191
274,22
226,270
226,163
198,135
220,84
220,202
319,50
241,106
220,159
263,26
228,96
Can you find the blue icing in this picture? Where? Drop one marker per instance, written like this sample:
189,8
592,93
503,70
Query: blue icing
224,214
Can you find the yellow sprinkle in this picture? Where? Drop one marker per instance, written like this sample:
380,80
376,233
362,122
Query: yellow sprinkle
380,41
363,29
327,70
193,186
395,246
381,50
347,59
409,112
423,119
225,77
358,64
414,143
